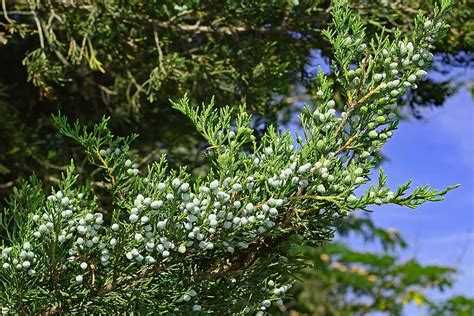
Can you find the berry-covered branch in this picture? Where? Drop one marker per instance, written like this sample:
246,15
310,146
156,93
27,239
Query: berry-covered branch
173,242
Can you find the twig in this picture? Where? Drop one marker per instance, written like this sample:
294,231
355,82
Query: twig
39,28
346,144
315,197
368,95
351,107
17,12
134,81
6,185
5,14
198,28
344,120
293,99
160,52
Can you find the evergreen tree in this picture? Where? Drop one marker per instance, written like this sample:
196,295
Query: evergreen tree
125,59
162,239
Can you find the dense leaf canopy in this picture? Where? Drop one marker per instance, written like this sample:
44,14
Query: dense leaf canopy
126,59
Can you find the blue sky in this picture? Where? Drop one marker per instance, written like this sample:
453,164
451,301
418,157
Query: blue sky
437,150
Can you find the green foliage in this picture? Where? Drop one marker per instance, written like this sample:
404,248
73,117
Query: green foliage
27,196
223,242
458,305
126,59
129,54
341,281
363,226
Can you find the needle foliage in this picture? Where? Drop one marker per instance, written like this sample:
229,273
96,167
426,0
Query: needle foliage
167,241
